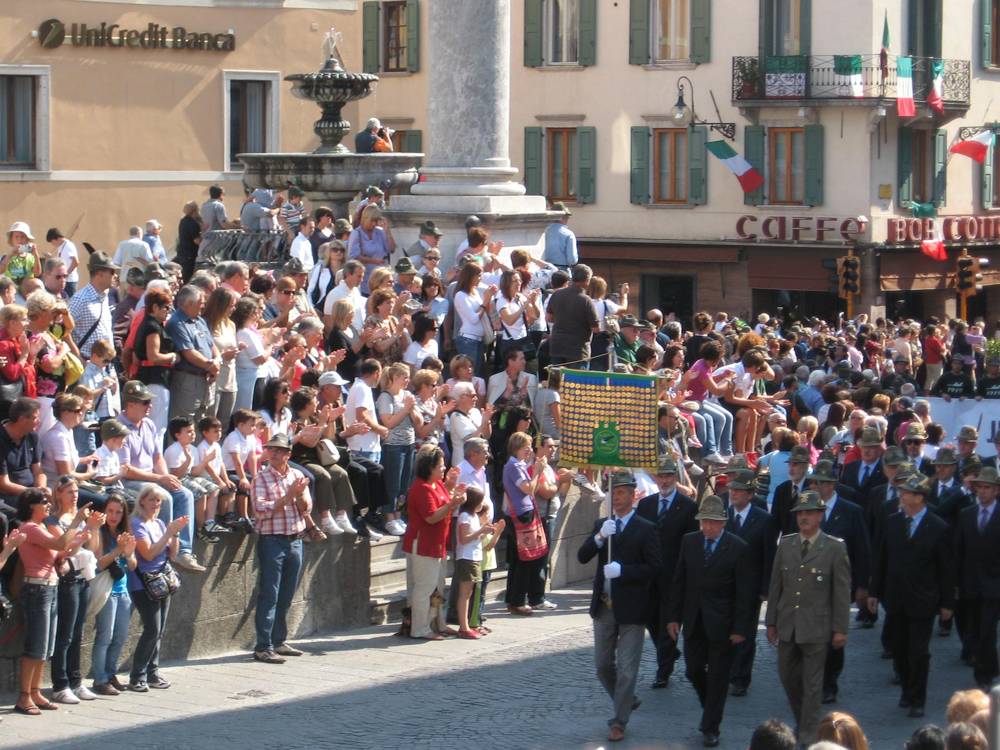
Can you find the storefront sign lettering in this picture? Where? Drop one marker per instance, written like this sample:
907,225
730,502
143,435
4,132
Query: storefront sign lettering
952,229
53,33
807,229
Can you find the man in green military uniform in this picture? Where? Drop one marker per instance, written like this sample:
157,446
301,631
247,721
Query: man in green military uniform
627,342
808,608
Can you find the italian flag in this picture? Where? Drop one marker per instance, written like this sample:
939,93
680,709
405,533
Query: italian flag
934,100
847,72
750,179
904,87
933,246
975,147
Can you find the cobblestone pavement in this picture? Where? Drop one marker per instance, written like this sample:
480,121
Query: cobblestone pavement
530,684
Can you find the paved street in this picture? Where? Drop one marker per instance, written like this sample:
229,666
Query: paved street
528,685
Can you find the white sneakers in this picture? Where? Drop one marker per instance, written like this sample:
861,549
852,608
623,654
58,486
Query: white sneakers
330,527
84,694
71,696
345,525
189,562
715,458
395,527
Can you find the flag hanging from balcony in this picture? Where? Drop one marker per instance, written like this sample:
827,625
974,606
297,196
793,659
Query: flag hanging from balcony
975,147
933,246
936,92
883,57
750,179
905,106
847,73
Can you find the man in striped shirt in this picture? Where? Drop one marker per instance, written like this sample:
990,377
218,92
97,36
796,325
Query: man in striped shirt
281,501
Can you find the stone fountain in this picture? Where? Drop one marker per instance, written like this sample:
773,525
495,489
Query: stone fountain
331,175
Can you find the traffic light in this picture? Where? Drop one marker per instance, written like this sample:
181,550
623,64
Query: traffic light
849,275
978,264
965,275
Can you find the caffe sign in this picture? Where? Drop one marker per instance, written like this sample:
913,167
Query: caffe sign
53,33
806,229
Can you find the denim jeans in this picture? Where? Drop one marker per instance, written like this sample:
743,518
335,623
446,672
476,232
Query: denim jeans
280,560
71,616
146,657
38,603
473,349
180,503
397,461
246,381
109,640
701,432
722,423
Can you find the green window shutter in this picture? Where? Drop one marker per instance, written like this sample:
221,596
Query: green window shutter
753,145
986,21
586,166
533,161
988,179
912,21
805,27
940,166
413,35
588,33
701,31
938,27
639,182
532,33
764,36
369,37
697,166
413,142
904,167
814,165
638,32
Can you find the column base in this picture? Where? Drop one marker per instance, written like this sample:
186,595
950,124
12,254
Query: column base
489,180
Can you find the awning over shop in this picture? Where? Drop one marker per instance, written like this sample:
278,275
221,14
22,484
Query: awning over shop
789,268
659,253
911,270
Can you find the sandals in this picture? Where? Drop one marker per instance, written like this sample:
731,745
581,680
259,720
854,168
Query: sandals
316,534
46,705
31,710
483,630
470,635
431,637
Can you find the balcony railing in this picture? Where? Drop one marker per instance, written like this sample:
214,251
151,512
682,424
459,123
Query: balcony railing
797,77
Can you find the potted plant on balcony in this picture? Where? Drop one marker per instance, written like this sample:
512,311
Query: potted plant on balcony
748,70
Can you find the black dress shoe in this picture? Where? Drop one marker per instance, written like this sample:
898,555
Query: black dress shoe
661,682
829,696
710,739
904,703
738,691
916,712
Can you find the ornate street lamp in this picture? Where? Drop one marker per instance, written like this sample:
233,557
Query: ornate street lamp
681,115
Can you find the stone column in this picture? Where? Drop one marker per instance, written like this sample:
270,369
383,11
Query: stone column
469,103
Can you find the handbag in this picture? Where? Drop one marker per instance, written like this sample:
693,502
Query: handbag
489,333
162,583
72,368
327,453
12,391
100,590
531,542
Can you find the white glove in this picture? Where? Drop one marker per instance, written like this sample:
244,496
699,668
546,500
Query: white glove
612,570
608,528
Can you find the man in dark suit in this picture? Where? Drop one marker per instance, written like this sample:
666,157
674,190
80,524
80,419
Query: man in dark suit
968,440
914,576
786,494
892,460
978,552
862,477
843,520
709,598
628,563
760,532
913,444
950,510
673,514
994,460
946,480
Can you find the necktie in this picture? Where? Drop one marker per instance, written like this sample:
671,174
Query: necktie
909,527
618,526
709,544
739,521
805,548
864,474
984,517
664,506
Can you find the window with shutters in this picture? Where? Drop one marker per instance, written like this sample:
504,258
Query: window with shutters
671,30
394,36
786,31
250,105
561,161
922,160
17,121
994,183
786,166
561,23
991,33
670,165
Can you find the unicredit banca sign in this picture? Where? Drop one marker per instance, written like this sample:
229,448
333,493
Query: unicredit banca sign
54,33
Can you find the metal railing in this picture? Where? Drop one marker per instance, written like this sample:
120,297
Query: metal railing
267,247
816,77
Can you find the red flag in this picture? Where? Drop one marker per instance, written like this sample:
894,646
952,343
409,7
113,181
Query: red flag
933,246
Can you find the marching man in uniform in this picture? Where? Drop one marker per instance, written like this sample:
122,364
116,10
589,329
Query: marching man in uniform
808,608
628,555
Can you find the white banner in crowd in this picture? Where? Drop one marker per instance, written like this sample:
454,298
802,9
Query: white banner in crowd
983,415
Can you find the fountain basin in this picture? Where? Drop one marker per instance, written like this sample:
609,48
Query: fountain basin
331,179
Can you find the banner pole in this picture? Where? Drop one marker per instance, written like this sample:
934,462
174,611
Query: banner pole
607,494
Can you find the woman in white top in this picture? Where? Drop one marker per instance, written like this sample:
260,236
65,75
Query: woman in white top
59,453
473,310
600,343
219,307
323,277
254,350
516,312
424,341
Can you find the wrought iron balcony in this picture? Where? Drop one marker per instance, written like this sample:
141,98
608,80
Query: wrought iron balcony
816,79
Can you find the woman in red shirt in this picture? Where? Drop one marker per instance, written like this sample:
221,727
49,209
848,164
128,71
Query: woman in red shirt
430,503
934,351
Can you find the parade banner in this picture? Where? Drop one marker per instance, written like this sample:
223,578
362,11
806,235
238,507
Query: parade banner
608,419
983,415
